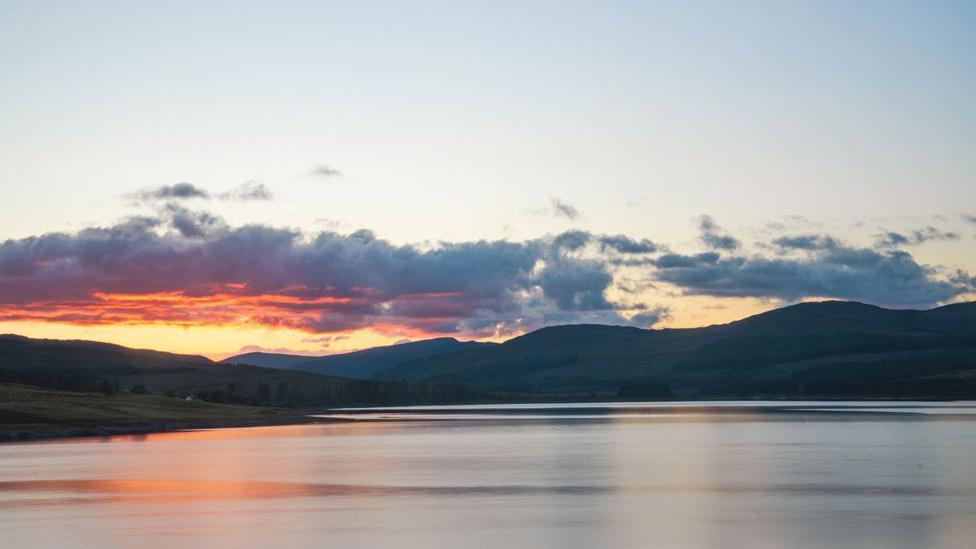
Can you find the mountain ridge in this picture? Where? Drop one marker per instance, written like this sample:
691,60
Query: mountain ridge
361,364
749,357
89,366
830,349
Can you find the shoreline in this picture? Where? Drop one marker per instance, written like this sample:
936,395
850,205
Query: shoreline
39,432
44,432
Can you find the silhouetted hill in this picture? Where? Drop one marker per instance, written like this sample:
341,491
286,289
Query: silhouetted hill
85,366
359,364
279,361
831,349
825,349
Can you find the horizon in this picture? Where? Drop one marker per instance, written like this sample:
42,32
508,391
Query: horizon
219,358
353,176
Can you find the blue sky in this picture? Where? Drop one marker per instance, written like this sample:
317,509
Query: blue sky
460,121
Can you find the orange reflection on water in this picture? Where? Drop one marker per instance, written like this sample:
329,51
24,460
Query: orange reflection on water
168,490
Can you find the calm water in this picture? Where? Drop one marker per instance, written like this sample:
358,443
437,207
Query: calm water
622,475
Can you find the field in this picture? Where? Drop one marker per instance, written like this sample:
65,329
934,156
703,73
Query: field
30,412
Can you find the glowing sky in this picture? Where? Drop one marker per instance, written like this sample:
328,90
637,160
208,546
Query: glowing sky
318,177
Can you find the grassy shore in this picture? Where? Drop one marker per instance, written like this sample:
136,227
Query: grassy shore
28,413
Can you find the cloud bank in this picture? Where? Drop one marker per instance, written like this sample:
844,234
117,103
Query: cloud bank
189,267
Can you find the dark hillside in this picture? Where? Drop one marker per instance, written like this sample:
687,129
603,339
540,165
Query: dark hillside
85,366
829,349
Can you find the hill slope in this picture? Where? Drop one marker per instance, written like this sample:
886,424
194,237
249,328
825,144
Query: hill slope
359,364
89,366
278,361
827,349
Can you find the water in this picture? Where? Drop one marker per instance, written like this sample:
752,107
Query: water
717,474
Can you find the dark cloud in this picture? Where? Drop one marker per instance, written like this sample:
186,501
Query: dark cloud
572,240
250,190
650,317
187,266
806,242
626,245
561,208
714,237
278,277
575,239
577,285
325,171
891,278
677,261
179,191
644,319
189,223
891,239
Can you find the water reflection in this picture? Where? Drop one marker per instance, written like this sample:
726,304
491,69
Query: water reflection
726,475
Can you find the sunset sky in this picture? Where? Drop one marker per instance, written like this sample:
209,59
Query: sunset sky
318,177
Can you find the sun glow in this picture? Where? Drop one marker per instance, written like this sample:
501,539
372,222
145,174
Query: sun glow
213,341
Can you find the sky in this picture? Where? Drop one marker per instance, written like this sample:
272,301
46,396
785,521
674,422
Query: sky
318,177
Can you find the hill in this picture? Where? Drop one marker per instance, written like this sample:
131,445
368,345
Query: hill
278,361
85,366
809,349
359,364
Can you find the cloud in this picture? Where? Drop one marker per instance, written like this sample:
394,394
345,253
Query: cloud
179,191
807,242
575,240
626,245
324,171
248,191
189,223
890,278
576,285
561,208
792,222
714,237
678,261
650,317
891,239
323,342
189,267
572,240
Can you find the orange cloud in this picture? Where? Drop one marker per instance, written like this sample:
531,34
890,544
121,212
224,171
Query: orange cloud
232,307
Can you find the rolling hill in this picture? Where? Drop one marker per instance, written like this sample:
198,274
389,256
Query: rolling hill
86,366
828,349
810,349
359,364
